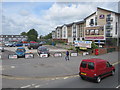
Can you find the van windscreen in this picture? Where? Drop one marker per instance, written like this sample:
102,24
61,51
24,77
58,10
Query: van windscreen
91,65
83,64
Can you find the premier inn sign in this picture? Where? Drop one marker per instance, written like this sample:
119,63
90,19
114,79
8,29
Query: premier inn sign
95,33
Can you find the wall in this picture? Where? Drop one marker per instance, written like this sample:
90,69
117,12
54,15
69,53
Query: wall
88,20
102,22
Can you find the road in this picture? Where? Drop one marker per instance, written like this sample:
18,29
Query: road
63,82
52,72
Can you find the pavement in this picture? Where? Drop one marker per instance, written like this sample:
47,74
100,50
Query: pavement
49,67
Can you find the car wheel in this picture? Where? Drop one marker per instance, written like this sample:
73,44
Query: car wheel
98,79
112,73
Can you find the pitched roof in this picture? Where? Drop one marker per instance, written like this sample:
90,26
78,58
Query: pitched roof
101,9
107,10
79,22
90,15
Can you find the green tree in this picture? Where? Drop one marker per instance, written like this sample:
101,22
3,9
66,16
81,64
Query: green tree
49,36
24,34
32,38
32,35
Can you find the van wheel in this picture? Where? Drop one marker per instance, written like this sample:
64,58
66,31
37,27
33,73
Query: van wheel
112,73
82,78
98,79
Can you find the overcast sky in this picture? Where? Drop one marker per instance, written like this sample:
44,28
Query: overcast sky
44,17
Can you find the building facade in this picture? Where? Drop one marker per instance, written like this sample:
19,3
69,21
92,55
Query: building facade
100,26
5,38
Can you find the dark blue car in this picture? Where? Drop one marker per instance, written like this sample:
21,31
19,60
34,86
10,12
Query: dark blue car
20,52
18,44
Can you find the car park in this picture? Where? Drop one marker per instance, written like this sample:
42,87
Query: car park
20,52
95,69
43,50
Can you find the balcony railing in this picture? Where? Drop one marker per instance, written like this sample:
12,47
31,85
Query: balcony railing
108,34
109,19
109,26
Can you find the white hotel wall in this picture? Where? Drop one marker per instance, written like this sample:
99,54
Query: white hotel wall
64,31
88,20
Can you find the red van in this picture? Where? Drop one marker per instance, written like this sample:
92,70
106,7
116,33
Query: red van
96,69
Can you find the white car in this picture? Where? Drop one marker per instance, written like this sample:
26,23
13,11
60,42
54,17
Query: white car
1,49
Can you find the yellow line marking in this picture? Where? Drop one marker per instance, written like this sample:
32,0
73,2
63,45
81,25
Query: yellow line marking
116,63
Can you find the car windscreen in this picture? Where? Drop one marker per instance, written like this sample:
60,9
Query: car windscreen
20,50
43,49
90,65
83,64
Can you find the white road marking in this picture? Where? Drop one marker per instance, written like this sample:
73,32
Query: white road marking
53,79
12,66
118,86
1,68
65,77
33,84
37,86
25,86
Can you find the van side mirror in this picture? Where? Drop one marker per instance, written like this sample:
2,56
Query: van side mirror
110,65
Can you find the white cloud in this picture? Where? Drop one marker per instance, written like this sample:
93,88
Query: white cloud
57,14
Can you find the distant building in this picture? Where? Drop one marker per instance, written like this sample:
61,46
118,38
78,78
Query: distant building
12,38
78,30
101,26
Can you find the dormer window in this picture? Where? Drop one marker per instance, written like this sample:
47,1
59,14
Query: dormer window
91,22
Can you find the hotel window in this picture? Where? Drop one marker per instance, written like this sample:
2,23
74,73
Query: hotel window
96,32
74,26
92,32
87,32
95,20
91,22
64,33
74,31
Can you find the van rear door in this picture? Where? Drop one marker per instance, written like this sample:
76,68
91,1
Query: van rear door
87,68
83,67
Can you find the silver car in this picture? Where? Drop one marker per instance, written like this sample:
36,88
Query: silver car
1,49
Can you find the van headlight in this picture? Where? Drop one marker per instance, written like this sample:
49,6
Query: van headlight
94,74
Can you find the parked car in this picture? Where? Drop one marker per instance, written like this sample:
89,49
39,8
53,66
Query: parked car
34,45
20,52
43,42
18,44
95,69
8,44
43,50
1,49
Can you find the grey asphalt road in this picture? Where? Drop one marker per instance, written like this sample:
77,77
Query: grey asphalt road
70,82
29,73
77,82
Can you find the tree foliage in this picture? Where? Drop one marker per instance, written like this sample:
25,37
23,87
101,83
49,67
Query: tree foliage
49,36
32,35
24,34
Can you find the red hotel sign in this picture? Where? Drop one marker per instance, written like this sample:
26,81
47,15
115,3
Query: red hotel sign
98,37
